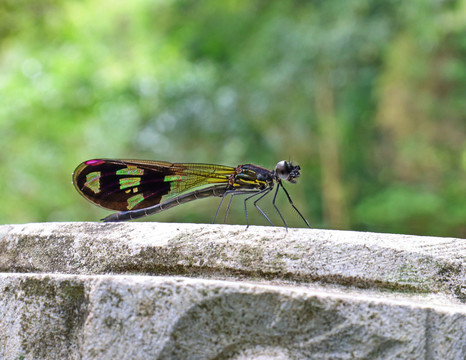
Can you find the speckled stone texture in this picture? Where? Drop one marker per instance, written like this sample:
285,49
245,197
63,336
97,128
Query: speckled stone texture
186,291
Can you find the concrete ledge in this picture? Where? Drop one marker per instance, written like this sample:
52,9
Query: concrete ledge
143,317
400,263
185,291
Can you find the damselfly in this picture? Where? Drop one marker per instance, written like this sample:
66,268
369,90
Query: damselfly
137,188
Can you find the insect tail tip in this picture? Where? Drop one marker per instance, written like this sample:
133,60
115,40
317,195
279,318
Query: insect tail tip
107,219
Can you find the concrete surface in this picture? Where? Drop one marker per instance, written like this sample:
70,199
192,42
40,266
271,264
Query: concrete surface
186,291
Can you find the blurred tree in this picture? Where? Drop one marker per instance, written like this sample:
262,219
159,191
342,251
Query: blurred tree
366,96
420,118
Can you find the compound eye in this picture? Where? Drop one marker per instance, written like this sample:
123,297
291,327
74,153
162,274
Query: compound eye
282,170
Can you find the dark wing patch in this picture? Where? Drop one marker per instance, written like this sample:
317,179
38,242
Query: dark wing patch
124,185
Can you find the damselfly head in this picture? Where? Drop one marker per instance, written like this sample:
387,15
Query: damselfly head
285,170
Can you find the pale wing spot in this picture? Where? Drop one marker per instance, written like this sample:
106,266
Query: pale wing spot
129,182
173,178
130,170
93,181
134,200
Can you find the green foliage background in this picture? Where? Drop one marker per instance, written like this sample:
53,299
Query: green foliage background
367,96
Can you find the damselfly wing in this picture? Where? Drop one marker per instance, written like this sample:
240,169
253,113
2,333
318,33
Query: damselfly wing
137,188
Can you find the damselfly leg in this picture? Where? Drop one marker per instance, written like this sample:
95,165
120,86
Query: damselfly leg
291,203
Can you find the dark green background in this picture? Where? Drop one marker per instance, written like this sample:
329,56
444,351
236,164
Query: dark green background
367,96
